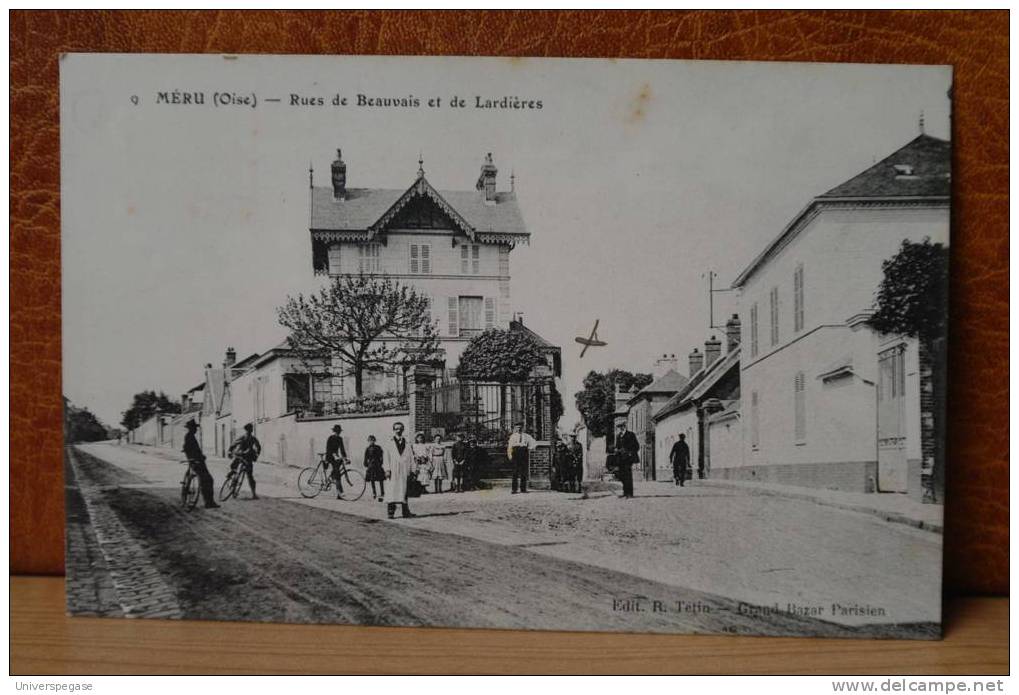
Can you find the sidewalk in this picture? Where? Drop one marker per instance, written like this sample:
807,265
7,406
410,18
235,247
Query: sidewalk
891,507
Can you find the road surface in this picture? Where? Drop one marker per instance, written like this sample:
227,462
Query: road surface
134,550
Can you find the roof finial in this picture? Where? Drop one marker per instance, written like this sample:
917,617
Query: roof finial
513,181
311,175
921,122
421,164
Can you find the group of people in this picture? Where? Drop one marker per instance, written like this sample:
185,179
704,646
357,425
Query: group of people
411,468
568,466
420,467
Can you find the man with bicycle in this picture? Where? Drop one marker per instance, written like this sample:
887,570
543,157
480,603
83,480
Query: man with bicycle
336,457
196,458
247,449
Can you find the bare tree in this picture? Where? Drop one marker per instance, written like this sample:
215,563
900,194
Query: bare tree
363,321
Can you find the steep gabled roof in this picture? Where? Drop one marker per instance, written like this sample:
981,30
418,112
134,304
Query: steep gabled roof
370,210
918,172
670,382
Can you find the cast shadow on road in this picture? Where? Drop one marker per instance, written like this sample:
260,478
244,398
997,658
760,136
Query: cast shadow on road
434,514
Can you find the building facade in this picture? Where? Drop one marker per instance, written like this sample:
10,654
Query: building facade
827,401
452,246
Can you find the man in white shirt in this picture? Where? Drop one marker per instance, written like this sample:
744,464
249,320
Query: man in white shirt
518,449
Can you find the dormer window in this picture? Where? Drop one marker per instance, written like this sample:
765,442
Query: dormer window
904,171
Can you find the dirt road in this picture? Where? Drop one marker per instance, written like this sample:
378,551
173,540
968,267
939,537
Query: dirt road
273,560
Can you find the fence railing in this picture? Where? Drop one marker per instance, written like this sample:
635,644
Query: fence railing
488,411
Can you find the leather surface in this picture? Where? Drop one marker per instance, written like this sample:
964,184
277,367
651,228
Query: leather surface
975,43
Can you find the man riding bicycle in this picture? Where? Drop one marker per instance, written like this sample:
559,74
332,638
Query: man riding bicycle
247,448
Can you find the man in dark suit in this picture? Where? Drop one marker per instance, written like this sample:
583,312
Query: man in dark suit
627,454
193,451
680,457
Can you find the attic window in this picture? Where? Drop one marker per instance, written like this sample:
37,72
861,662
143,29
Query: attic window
904,171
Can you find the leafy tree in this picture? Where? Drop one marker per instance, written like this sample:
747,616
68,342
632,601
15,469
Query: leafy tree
365,322
146,404
597,401
499,355
913,296
82,426
912,300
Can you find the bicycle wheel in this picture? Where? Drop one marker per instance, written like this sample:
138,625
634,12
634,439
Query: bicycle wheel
229,487
353,485
310,482
189,491
239,479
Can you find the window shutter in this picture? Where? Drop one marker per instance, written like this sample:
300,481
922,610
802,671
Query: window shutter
799,407
773,305
798,301
426,261
755,423
489,313
454,322
504,261
413,258
476,256
753,330
334,259
464,251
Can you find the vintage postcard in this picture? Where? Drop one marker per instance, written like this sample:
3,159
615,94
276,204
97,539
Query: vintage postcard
610,345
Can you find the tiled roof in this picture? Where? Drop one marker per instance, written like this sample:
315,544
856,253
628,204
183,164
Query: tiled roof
363,207
670,382
920,168
542,343
699,384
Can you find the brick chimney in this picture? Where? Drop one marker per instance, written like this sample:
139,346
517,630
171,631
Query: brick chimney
663,364
732,333
696,361
339,177
712,350
231,357
486,182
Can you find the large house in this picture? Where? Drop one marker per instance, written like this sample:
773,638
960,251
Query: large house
827,401
451,245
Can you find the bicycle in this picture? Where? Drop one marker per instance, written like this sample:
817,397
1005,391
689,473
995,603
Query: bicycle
315,480
190,487
234,479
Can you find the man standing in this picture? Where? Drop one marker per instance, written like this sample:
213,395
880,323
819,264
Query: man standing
399,465
577,454
459,455
518,449
193,452
247,448
680,457
336,452
627,454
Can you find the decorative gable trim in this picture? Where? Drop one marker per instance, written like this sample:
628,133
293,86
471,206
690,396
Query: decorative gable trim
421,187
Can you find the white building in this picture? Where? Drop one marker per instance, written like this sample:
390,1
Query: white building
827,401
451,245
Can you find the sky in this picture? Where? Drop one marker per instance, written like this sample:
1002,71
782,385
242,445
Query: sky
185,225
